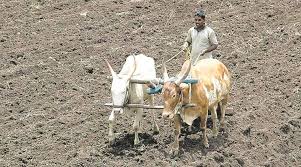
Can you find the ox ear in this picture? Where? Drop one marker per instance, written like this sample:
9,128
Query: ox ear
165,75
184,72
133,68
111,69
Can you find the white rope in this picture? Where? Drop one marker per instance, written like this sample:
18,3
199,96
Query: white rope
171,58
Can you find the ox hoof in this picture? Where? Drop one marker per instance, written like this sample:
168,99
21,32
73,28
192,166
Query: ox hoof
111,139
174,152
206,145
214,133
111,142
222,130
136,142
156,130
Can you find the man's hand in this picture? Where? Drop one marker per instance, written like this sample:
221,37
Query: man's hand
185,46
202,53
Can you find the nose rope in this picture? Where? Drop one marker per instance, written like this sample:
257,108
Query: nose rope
179,105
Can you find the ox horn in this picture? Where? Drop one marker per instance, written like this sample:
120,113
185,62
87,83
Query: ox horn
132,69
184,72
165,75
111,69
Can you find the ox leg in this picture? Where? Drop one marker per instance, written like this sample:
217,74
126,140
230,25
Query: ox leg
223,104
155,125
111,126
214,120
177,131
203,127
136,125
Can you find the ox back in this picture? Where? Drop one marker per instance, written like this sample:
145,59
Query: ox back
213,87
145,70
145,67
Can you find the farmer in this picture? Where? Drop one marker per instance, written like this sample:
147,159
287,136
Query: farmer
201,39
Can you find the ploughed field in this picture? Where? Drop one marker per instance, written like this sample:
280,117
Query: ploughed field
53,81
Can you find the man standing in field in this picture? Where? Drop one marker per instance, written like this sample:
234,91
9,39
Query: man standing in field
201,39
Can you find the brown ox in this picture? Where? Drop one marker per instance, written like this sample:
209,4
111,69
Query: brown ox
211,90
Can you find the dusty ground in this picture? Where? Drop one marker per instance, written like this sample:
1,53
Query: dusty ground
53,85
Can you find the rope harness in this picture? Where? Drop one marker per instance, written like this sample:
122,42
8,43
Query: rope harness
187,56
127,95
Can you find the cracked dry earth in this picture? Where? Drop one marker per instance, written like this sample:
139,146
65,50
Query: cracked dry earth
53,86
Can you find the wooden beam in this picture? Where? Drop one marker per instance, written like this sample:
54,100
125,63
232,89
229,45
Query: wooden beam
155,107
140,81
144,106
135,106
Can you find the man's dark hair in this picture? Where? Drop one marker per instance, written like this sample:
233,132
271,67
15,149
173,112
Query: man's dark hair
200,13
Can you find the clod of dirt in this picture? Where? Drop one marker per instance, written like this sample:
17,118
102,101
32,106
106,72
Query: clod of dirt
285,129
13,62
89,69
2,86
294,123
240,161
247,132
218,157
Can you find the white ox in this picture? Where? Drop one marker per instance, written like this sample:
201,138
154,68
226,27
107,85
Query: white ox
125,92
212,90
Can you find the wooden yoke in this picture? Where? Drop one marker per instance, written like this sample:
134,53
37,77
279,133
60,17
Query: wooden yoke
158,88
157,83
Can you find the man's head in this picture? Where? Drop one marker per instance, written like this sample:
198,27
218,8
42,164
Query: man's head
199,19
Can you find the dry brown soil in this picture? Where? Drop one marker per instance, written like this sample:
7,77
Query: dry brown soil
53,86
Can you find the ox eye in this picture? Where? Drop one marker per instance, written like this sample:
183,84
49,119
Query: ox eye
174,96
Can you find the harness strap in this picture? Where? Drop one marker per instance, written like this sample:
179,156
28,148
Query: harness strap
190,93
127,95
